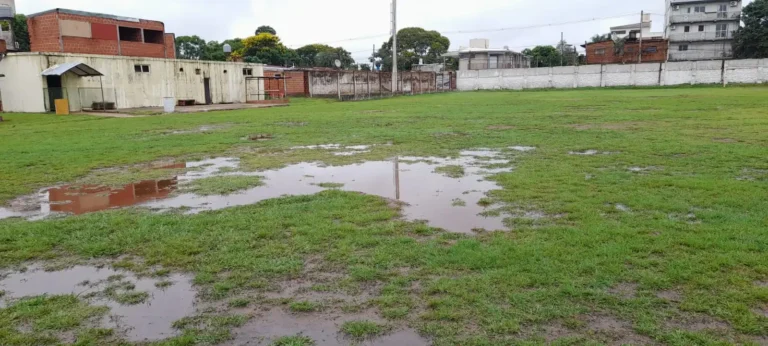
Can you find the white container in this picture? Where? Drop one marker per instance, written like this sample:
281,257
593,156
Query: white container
169,104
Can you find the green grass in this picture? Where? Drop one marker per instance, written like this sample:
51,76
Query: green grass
362,329
223,185
296,340
239,302
131,298
451,171
330,185
44,320
304,306
695,225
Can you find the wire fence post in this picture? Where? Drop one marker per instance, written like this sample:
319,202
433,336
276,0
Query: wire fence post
338,83
354,86
368,82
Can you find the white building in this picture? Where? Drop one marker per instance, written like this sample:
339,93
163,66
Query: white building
632,31
30,82
7,13
479,56
701,29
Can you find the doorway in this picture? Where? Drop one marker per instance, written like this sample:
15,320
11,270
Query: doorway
207,88
55,91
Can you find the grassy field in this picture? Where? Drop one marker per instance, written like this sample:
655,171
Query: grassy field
661,237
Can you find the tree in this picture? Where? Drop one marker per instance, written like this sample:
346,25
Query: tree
543,56
265,48
751,41
569,53
265,29
600,38
21,32
414,44
190,47
321,55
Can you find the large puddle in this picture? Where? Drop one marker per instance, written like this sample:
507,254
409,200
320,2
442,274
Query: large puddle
148,320
448,193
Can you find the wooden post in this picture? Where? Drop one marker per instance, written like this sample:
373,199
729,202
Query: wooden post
338,85
368,82
354,86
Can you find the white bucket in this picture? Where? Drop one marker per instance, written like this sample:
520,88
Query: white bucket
169,104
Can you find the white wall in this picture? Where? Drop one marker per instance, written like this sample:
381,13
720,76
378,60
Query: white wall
22,88
650,74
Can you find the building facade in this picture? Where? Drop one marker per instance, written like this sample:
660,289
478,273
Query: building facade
633,31
7,37
479,56
127,82
78,32
653,50
701,29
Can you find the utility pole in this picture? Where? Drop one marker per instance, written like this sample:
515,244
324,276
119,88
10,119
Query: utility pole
394,47
642,19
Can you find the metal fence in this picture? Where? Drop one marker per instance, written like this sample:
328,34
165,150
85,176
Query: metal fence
96,99
362,85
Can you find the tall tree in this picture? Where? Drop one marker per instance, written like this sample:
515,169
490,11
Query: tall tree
21,32
266,48
569,53
543,56
321,55
751,41
414,44
190,47
600,38
265,29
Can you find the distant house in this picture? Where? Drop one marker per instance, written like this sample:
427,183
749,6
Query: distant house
633,31
606,52
479,56
702,29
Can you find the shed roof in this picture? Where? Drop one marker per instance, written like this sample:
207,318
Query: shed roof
77,68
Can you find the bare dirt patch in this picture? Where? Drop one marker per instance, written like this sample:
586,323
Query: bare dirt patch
608,126
624,290
670,295
725,140
615,331
700,322
500,127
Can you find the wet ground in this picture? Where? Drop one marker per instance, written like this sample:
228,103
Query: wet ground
448,201
148,320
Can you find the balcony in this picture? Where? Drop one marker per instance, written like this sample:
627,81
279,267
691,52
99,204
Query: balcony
705,17
700,36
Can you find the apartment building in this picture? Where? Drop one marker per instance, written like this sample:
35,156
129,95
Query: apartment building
701,29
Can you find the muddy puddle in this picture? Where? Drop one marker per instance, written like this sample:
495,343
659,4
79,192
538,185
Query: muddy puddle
322,328
149,320
449,201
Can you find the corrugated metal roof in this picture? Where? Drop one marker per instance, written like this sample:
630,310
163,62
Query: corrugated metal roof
77,68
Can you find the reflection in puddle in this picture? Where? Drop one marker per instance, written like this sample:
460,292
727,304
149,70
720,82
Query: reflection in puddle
322,328
151,320
428,195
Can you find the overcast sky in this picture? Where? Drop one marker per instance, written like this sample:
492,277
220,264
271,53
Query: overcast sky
300,22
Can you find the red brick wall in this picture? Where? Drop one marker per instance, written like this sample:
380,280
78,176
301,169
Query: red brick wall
44,37
630,55
3,47
296,82
44,33
170,46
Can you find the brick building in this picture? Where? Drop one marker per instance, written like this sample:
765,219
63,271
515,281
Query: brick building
654,50
296,82
68,31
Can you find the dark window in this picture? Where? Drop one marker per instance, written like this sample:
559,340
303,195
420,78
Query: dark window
225,71
153,36
197,71
129,34
701,28
181,69
683,47
141,68
600,51
247,72
722,31
700,9
687,29
651,49
689,10
137,68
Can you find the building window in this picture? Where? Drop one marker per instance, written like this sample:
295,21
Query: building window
141,68
181,69
682,47
722,31
651,49
153,36
722,12
687,29
701,28
700,9
197,71
622,32
129,34
225,71
247,72
600,51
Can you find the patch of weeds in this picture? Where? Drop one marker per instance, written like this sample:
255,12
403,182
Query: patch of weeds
458,202
161,272
112,278
131,298
164,284
44,317
296,340
364,273
396,313
204,278
451,171
2,293
304,306
330,185
485,202
361,330
239,303
223,185
322,288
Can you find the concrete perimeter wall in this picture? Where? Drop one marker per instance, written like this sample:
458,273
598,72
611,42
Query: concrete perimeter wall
23,85
751,71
